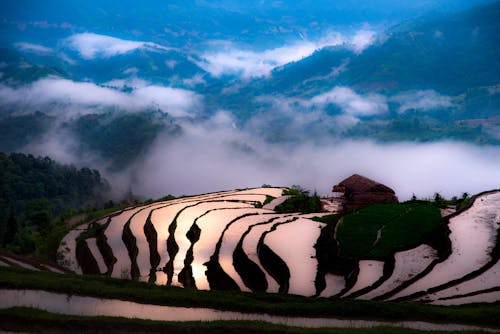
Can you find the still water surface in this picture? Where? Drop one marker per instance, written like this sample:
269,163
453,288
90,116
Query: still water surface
89,306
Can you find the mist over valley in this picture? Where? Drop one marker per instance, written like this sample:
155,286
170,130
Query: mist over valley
169,103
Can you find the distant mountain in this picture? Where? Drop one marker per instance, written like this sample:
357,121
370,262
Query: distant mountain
449,53
16,68
450,60
169,68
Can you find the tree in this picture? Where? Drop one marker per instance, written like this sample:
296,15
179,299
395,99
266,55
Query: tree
37,213
11,228
438,198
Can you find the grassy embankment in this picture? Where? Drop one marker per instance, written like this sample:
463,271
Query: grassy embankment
279,304
33,320
379,230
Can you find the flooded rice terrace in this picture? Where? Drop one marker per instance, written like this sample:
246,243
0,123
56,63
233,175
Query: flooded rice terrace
236,240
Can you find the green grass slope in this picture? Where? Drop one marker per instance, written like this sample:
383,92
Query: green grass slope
379,230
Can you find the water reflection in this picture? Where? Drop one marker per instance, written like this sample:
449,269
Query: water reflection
88,306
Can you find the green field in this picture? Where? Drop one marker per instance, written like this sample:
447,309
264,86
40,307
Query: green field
379,230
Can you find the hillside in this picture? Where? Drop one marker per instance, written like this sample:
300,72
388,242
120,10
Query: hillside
438,75
448,53
35,191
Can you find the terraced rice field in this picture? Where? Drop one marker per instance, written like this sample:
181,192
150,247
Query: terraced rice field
12,260
234,240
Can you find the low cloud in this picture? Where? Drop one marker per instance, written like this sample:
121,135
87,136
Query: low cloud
287,118
208,159
34,48
282,119
213,154
90,45
228,59
362,39
423,100
197,79
55,93
352,103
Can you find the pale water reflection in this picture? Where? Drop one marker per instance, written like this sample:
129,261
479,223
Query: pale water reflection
230,241
89,306
294,243
370,271
185,221
407,264
473,236
249,245
211,227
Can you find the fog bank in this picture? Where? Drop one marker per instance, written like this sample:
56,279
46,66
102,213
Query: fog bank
197,163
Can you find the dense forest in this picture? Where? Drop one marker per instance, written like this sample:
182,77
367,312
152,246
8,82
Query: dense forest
37,190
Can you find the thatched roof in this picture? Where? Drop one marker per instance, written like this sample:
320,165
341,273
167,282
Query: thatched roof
359,191
360,184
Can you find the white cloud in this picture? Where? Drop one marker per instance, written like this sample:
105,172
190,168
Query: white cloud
63,92
197,79
249,64
176,101
424,100
215,157
228,59
214,154
34,48
171,64
131,70
130,83
362,39
494,90
280,118
352,103
91,45
64,57
438,34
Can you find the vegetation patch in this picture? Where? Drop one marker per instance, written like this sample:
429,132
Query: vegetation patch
379,230
327,254
300,201
35,190
268,200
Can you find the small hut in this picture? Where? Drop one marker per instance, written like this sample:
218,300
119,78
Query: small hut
358,191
